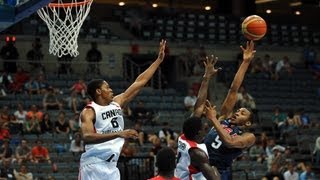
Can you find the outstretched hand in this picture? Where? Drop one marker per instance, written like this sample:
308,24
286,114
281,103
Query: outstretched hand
211,111
162,49
209,63
129,133
248,52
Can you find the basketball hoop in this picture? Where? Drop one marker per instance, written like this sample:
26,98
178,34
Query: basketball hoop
64,21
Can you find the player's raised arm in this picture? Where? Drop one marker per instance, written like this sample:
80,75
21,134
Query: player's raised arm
142,79
200,161
229,102
242,141
210,71
91,137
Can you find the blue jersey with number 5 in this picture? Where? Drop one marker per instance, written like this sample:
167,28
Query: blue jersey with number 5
220,155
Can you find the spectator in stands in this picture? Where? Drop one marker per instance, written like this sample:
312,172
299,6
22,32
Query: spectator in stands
267,65
35,56
278,118
23,152
257,152
128,149
65,64
51,101
43,84
6,152
6,81
289,126
190,100
273,174
141,133
74,123
278,157
46,124
244,99
20,113
76,146
156,146
4,114
9,54
305,119
94,58
310,56
307,173
40,153
142,114
73,101
6,171
79,87
297,118
256,66
61,125
198,68
283,64
4,132
23,173
316,151
15,126
271,144
291,173
32,126
32,86
20,78
166,133
166,164
34,113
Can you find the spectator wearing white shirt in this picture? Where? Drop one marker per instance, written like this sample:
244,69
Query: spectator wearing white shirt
291,173
20,114
316,151
190,100
76,145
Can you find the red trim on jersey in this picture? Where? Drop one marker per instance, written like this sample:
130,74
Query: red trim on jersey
191,143
94,120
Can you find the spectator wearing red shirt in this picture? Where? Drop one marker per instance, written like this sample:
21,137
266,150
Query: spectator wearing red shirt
79,87
20,78
4,132
40,153
34,113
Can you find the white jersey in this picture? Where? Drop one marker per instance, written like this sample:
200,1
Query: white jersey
108,119
184,169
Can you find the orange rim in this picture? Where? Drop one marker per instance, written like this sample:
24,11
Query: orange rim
66,5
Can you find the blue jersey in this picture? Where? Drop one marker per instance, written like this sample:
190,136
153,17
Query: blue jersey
220,155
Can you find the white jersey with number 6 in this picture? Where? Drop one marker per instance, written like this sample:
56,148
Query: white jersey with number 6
184,169
108,119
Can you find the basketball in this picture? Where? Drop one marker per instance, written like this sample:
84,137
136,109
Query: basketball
254,27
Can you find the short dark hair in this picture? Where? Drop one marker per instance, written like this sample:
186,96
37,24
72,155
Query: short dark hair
251,117
166,160
191,127
92,86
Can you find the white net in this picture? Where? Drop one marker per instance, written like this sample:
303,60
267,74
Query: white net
64,21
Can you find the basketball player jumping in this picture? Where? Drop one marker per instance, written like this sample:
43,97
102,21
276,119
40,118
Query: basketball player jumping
193,161
102,125
227,138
